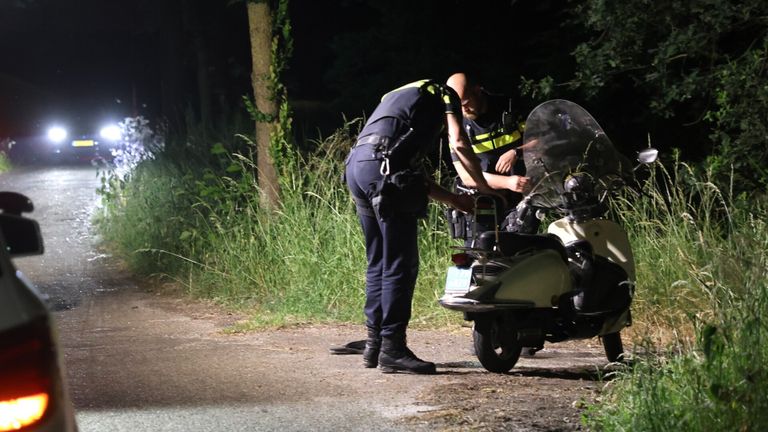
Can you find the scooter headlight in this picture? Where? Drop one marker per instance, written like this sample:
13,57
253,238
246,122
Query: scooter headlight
578,182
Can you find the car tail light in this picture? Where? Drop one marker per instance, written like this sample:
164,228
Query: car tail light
18,413
27,363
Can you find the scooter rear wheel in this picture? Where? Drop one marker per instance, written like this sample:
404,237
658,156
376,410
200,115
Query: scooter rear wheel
495,352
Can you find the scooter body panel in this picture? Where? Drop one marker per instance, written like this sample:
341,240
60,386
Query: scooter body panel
540,278
607,238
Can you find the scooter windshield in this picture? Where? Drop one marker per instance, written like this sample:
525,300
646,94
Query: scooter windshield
561,139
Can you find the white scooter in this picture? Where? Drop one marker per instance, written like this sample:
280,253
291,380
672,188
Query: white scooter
574,282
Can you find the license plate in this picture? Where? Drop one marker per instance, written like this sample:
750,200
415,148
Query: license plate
458,280
82,143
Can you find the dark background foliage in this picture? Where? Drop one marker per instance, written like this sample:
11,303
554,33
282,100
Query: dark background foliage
698,72
682,74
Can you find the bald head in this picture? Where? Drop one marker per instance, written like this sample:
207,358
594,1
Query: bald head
473,101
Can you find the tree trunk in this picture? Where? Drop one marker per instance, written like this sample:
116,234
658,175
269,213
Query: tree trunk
260,25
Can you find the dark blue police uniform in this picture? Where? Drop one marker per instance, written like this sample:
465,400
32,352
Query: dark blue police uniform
391,148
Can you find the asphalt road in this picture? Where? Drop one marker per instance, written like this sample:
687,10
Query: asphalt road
141,361
65,200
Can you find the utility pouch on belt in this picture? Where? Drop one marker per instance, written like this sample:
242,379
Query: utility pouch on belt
457,223
404,192
488,213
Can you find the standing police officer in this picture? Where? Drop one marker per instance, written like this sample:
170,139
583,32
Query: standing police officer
384,173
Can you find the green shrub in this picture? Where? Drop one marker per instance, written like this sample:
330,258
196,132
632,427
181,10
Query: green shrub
5,164
203,227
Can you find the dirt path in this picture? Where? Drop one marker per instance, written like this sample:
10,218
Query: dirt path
128,350
138,361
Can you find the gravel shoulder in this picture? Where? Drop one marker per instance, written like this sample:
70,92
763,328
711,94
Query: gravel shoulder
130,349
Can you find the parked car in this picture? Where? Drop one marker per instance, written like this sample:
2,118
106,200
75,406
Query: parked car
68,142
90,144
33,391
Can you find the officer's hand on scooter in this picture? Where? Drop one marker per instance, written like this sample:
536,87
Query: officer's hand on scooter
518,184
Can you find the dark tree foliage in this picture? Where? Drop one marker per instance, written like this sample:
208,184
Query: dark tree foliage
184,61
398,41
695,66
508,45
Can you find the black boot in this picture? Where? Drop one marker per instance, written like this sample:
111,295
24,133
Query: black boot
372,347
396,357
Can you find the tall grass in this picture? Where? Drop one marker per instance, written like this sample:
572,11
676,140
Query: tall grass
304,262
701,304
680,227
699,330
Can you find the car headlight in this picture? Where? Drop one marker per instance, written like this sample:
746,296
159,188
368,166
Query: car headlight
57,134
111,133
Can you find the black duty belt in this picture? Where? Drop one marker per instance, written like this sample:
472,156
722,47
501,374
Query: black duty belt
373,140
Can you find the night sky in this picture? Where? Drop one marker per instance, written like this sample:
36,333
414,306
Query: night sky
91,59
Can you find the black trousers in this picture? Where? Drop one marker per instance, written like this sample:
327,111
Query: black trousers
391,247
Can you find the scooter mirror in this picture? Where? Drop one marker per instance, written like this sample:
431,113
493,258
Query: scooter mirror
648,156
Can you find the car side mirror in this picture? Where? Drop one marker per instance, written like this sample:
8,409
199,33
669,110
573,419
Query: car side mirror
21,235
648,156
15,203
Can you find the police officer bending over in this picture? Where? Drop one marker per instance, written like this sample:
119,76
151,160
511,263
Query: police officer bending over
384,173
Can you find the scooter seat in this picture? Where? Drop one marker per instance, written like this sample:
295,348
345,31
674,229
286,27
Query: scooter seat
511,243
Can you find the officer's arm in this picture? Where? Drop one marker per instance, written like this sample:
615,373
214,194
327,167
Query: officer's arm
473,173
464,203
496,181
463,174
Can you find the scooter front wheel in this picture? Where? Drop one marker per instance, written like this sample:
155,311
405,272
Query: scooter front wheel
496,353
614,350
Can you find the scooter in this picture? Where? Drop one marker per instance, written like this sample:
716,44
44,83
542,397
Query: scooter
577,280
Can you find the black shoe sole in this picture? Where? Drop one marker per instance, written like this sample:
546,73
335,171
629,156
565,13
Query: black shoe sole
393,370
354,347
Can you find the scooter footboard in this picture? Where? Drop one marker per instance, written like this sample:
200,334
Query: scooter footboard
522,327
532,327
